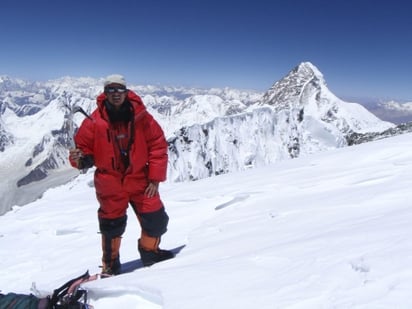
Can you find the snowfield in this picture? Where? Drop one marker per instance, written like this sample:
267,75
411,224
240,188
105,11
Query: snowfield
329,230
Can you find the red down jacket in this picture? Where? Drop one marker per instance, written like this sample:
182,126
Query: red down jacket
147,156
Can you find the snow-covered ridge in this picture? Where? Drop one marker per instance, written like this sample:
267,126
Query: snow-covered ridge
210,131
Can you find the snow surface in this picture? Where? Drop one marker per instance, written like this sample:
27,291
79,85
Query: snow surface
329,230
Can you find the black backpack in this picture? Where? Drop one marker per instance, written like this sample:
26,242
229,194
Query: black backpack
69,296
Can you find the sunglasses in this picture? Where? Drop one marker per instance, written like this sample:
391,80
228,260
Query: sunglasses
115,89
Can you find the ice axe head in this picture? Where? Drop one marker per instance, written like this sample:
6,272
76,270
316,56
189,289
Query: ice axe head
77,108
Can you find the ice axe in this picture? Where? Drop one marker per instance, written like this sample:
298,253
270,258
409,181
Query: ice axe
72,110
78,109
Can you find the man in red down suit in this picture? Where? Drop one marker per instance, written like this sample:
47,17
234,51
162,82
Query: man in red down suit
129,150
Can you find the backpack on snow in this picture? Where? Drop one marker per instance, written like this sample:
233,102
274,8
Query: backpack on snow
17,301
69,296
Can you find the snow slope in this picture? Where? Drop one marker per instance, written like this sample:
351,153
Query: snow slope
329,230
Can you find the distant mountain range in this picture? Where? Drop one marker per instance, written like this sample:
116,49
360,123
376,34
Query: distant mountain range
210,131
392,111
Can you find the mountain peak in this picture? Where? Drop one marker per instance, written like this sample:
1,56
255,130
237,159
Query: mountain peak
307,68
288,91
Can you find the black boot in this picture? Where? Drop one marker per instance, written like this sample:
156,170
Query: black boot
150,257
150,252
112,270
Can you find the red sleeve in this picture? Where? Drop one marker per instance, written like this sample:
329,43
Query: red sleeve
84,138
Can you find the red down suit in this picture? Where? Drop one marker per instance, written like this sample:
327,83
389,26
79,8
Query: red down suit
116,186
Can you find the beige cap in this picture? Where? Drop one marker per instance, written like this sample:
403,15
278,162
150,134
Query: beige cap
115,79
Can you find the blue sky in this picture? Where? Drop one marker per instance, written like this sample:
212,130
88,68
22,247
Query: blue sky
363,47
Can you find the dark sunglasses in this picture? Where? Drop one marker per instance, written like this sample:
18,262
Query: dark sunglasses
115,89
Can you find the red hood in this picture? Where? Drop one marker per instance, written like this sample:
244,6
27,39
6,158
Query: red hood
132,97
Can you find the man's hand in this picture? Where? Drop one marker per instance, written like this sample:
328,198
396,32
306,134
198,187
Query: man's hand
75,155
152,189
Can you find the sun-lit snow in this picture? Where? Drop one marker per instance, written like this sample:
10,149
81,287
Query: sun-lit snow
327,230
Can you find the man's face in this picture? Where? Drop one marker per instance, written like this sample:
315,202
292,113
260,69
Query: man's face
116,94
